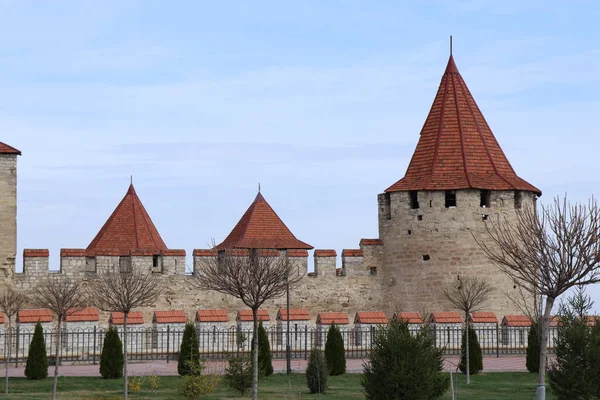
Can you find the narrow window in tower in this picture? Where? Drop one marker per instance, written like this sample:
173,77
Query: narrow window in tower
426,257
414,199
518,198
410,232
155,261
450,198
420,217
485,198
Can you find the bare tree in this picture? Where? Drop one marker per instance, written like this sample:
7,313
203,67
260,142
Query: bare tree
63,296
468,296
10,304
547,253
250,277
122,292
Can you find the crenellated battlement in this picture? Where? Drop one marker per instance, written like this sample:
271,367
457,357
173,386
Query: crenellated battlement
79,263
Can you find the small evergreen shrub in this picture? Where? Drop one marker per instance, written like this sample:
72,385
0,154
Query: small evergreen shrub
238,375
265,363
189,352
575,371
316,372
532,361
403,366
195,385
475,355
335,356
37,359
111,358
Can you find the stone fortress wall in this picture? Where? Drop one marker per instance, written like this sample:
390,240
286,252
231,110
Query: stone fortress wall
353,286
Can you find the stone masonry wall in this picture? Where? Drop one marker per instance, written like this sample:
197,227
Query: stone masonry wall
8,215
428,248
350,293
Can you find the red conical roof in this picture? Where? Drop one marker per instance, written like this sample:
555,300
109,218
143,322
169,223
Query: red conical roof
457,149
6,149
128,228
260,227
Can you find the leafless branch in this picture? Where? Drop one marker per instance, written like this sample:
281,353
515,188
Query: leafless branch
124,291
547,253
60,294
246,275
11,303
468,295
63,296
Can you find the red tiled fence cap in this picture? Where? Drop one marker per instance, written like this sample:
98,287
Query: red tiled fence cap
352,253
36,253
246,315
325,253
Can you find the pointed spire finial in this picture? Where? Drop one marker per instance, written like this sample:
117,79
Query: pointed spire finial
258,187
450,44
131,179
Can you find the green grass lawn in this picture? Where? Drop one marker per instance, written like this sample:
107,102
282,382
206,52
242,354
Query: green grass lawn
499,385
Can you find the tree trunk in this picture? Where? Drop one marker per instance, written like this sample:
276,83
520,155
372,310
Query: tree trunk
255,355
7,357
56,357
467,349
125,315
541,389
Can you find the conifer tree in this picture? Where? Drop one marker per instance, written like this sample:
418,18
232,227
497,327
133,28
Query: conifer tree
316,372
335,356
404,366
475,355
532,361
37,359
265,363
189,352
111,358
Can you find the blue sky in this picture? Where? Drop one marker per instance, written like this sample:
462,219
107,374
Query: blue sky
319,101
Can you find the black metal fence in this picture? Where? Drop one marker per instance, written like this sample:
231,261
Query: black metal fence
85,345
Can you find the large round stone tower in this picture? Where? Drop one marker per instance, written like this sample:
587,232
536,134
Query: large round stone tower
457,179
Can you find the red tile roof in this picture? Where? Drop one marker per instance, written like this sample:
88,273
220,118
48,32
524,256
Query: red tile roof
451,317
297,253
205,253
72,252
212,316
370,317
33,316
260,227
325,253
134,318
516,320
371,242
36,253
82,315
483,317
6,149
1,317
173,252
456,148
409,317
170,317
328,318
128,228
352,253
246,315
296,314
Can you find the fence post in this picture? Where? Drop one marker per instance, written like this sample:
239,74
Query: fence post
497,341
94,347
17,349
168,336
